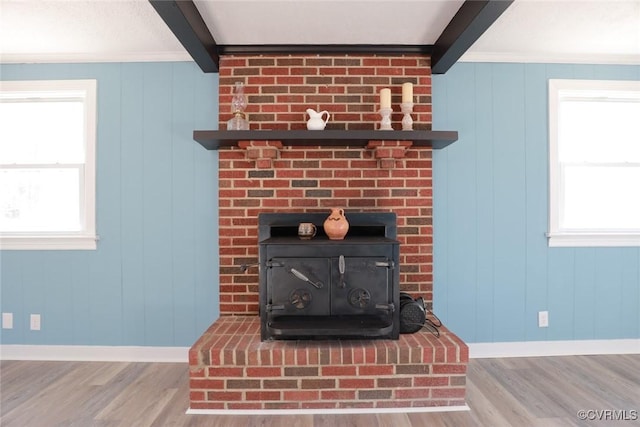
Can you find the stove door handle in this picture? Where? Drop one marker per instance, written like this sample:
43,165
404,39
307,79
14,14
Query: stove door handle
388,264
317,285
386,307
341,268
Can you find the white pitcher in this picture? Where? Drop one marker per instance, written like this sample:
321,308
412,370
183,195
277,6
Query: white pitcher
315,121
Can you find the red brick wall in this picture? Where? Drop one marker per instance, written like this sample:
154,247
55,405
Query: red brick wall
314,179
281,88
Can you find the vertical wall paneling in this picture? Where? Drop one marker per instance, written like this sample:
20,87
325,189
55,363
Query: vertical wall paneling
590,293
106,263
440,96
35,301
561,278
484,217
607,309
461,291
11,296
131,209
630,261
509,199
584,317
561,292
205,206
155,268
82,299
157,201
207,261
536,184
182,212
56,311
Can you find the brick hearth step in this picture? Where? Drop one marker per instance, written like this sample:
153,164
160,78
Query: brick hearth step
230,368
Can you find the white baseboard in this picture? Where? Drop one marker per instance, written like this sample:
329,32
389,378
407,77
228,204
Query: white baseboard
553,348
327,411
181,354
88,353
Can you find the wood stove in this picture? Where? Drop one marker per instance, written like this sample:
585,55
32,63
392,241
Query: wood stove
322,288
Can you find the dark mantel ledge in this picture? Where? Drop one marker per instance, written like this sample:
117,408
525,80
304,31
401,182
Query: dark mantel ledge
217,139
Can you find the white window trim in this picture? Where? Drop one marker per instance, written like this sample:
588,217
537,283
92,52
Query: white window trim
87,238
577,238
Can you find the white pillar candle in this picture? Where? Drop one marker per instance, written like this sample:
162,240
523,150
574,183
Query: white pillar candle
407,92
385,98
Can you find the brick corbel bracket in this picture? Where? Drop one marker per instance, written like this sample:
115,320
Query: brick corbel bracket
390,154
262,152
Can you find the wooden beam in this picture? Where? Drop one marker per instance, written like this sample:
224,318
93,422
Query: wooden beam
469,23
186,23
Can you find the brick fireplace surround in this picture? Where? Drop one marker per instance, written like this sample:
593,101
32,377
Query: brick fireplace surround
229,367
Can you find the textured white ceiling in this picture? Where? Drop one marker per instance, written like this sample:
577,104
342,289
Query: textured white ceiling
595,31
94,30
327,22
563,31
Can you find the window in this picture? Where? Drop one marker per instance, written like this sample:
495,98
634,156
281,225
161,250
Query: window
594,169
47,164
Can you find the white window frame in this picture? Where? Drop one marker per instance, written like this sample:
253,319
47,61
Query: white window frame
86,237
571,237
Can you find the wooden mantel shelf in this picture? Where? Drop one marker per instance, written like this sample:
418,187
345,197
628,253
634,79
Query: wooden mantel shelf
217,139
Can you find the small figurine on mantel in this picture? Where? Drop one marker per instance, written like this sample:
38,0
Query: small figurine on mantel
238,105
407,106
315,121
385,109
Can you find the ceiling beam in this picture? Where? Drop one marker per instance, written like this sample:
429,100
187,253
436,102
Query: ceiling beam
186,23
472,19
470,22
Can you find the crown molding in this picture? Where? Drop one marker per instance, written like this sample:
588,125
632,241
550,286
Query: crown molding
65,58
550,58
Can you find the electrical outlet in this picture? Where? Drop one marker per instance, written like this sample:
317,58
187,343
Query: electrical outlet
543,319
35,322
7,320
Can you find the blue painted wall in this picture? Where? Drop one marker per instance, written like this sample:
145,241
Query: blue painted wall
153,279
493,270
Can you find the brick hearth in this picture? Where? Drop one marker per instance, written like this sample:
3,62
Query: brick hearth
230,368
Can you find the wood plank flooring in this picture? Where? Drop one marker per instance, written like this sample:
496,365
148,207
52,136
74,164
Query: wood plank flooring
543,391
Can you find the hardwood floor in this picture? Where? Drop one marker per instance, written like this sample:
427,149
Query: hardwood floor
546,391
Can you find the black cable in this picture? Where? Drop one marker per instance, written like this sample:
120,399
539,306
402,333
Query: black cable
437,325
431,327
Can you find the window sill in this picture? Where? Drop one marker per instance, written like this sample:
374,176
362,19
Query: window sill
593,239
59,243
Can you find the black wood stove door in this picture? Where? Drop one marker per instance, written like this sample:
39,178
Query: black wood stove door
299,286
360,285
333,286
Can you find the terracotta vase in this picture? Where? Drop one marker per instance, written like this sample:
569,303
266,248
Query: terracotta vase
336,225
